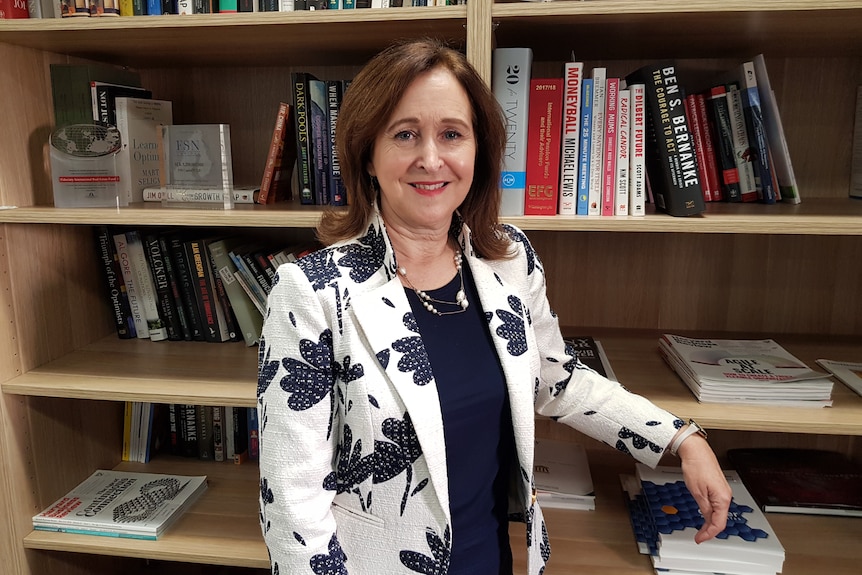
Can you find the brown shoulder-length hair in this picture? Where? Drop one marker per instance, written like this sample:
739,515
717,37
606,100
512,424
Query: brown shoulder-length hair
366,108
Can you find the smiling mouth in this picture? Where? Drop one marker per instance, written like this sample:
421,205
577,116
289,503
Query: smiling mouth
429,187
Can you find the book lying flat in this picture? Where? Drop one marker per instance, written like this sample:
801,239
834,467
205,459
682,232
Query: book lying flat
806,481
849,372
590,353
562,472
122,504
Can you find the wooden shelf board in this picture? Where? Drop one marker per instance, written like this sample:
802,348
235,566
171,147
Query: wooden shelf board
295,38
614,29
222,528
820,216
225,374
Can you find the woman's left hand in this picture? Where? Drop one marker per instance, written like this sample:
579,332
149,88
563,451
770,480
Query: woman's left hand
707,484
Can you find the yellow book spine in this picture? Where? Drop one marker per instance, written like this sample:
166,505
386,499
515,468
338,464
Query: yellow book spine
127,432
126,8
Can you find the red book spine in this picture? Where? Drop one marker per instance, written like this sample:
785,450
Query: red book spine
708,148
609,161
273,159
544,136
10,9
697,134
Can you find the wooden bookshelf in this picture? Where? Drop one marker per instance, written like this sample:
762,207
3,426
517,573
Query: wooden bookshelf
787,272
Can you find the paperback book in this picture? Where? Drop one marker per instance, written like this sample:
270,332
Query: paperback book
668,517
122,504
590,353
562,472
849,372
745,371
806,481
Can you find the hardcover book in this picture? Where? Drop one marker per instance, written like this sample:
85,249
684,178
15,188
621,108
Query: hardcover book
621,205
806,481
767,185
590,353
637,151
573,77
275,183
319,140
562,474
719,111
302,119
249,319
611,151
337,191
584,151
122,504
116,288
597,141
745,371
510,81
139,160
543,147
671,160
666,517
742,151
105,95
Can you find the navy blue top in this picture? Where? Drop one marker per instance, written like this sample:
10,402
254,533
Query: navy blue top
477,426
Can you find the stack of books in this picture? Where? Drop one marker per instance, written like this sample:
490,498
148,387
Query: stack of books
563,479
122,504
665,518
759,372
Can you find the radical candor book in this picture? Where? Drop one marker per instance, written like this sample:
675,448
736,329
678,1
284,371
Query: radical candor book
122,502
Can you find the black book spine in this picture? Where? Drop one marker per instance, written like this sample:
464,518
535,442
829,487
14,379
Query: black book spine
221,296
176,296
164,297
203,290
719,115
190,429
186,286
671,159
114,281
303,141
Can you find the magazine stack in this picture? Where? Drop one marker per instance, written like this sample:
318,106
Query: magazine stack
665,518
563,479
758,372
122,504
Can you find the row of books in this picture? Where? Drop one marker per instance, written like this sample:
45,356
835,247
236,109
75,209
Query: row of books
205,432
178,286
114,8
602,145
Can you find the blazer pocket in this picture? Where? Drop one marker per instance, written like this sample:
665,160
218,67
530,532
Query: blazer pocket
348,514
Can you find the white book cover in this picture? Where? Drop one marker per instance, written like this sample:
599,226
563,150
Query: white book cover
747,545
130,280
573,75
138,161
621,206
637,150
597,142
849,372
775,134
742,151
511,85
145,286
122,503
562,475
241,195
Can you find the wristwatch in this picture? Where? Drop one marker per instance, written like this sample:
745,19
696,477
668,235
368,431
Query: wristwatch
692,428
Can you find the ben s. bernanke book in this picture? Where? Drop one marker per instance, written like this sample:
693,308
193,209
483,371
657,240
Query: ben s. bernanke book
671,156
122,504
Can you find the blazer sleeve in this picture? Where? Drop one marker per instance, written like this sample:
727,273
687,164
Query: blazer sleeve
572,393
294,394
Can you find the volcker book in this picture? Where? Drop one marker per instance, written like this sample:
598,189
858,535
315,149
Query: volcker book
671,161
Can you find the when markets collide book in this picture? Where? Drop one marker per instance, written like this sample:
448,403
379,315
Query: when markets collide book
666,517
745,371
806,481
671,159
122,504
562,472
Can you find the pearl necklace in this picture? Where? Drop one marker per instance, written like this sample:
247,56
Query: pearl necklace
428,302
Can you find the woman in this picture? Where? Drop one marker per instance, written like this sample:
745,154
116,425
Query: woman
401,367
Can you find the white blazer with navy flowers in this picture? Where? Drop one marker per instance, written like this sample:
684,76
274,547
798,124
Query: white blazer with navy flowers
353,476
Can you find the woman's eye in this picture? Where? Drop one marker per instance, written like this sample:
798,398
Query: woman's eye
404,135
451,134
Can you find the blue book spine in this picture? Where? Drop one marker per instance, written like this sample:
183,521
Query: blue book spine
757,130
320,146
584,149
154,7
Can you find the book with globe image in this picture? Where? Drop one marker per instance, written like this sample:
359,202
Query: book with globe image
84,166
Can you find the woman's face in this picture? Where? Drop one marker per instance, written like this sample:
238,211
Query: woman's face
424,155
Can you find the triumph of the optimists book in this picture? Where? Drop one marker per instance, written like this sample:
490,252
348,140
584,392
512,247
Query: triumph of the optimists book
122,504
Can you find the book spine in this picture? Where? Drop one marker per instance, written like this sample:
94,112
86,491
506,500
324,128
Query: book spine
204,419
742,152
173,426
190,430
112,273
573,75
203,291
697,133
164,296
224,313
253,434
154,7
174,286
637,151
717,105
197,196
511,86
609,159
249,320
240,435
543,147
671,161
138,259
130,281
709,152
303,143
334,94
319,139
127,431
276,146
584,151
218,432
186,286
228,425
247,277
763,169
597,141
621,206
